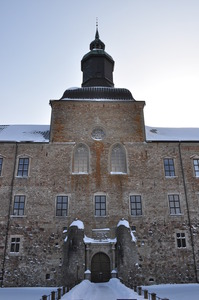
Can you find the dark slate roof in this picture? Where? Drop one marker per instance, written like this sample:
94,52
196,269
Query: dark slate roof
98,93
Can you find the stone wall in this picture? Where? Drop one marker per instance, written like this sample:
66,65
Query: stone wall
74,257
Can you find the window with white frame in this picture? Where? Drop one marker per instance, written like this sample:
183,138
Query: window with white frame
23,166
62,206
136,205
196,167
169,169
100,205
81,159
19,205
15,244
118,160
181,240
174,204
1,164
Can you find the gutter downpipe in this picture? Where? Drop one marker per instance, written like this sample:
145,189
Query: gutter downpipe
9,211
188,213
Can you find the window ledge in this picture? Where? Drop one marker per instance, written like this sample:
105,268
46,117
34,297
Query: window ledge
136,216
181,248
14,253
118,173
83,173
170,177
18,216
175,215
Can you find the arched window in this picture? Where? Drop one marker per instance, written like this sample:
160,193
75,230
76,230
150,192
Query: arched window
81,159
118,159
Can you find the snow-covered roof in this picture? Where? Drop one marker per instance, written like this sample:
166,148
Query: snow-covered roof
24,133
171,134
77,223
40,133
123,222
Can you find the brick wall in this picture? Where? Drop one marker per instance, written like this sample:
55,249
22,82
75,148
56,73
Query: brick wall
41,255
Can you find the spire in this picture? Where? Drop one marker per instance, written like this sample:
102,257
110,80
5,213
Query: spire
97,43
97,33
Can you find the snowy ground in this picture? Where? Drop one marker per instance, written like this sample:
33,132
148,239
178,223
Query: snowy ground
175,291
34,293
111,290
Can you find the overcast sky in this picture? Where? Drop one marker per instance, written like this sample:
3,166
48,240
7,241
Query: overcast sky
154,43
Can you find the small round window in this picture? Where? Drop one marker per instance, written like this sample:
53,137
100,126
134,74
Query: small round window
98,134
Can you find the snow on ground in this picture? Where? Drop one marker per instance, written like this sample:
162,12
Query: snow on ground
114,290
26,293
175,291
111,290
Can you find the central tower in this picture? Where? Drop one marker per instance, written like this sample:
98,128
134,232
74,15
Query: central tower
97,65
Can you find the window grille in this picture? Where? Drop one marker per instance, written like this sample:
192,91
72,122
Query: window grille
196,167
169,169
23,167
181,240
19,205
174,204
81,159
100,206
62,206
136,205
1,164
118,159
15,244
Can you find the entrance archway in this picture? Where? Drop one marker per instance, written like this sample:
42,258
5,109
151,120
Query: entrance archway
100,268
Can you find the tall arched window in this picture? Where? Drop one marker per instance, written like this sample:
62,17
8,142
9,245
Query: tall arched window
118,159
81,159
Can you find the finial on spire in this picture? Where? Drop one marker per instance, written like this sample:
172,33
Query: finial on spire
97,43
97,33
96,23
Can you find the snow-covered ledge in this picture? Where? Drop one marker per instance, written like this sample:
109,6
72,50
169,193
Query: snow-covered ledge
87,275
114,274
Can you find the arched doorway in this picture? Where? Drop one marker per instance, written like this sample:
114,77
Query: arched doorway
100,268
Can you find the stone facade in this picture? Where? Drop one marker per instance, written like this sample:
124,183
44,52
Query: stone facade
53,250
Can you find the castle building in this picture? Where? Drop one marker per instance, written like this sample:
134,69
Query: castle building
97,194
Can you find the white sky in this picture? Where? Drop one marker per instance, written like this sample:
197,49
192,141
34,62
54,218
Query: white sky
155,45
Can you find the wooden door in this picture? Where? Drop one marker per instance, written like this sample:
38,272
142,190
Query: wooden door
100,268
